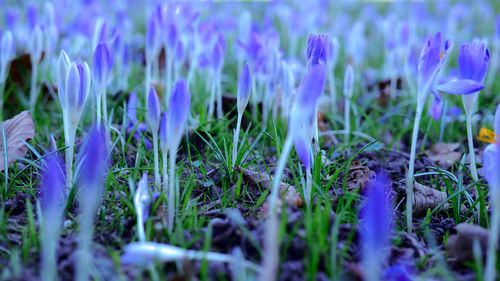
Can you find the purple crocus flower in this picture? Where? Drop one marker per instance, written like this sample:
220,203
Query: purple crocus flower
7,51
32,16
153,42
53,185
153,110
93,165
172,36
430,64
473,61
375,226
317,49
163,132
217,58
103,64
302,115
491,158
178,111
244,87
77,88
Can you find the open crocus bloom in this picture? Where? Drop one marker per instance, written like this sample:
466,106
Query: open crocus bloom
491,157
430,64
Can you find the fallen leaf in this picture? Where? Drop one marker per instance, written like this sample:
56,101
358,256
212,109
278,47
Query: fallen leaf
425,198
17,129
460,246
359,175
444,154
290,193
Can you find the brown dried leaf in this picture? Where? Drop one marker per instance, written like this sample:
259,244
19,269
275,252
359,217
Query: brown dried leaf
444,154
425,198
17,129
291,195
359,175
460,245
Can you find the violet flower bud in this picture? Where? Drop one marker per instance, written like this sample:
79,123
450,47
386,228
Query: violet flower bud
53,186
491,159
32,16
77,90
244,87
317,49
92,166
152,39
103,64
172,36
163,132
100,33
153,110
36,45
217,58
179,52
63,64
6,54
348,82
376,225
178,111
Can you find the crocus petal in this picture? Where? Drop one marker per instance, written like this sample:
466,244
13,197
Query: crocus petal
63,65
163,132
53,184
153,109
178,111
244,87
312,86
460,87
491,162
437,107
473,61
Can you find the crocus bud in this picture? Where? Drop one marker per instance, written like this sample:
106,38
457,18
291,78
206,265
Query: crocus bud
36,45
153,110
163,132
93,166
317,49
103,64
348,82
217,57
179,52
49,13
77,90
333,51
6,53
375,226
171,36
178,111
152,39
63,65
244,87
32,16
53,186
100,33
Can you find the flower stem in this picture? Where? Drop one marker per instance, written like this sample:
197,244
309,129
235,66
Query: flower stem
411,168
308,193
236,137
220,113
33,88
148,81
271,243
347,120
105,106
157,169
69,133
164,169
171,190
211,102
2,92
333,93
468,120
99,108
